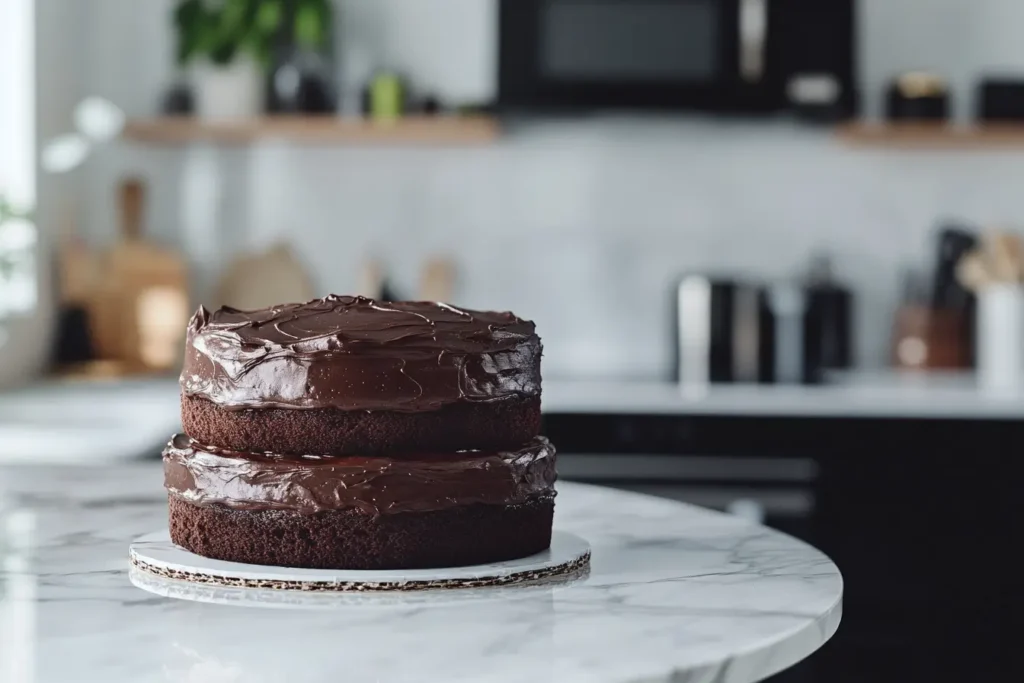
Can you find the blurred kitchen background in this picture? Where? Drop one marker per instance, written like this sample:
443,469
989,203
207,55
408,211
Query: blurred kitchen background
771,245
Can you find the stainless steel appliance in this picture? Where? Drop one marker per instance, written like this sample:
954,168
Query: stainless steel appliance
732,331
743,56
721,332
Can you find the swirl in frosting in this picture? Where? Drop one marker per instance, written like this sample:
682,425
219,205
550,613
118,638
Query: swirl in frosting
354,353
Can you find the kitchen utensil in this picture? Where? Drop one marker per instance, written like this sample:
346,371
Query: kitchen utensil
925,337
952,244
918,96
929,339
998,259
438,280
971,272
1003,255
265,279
140,310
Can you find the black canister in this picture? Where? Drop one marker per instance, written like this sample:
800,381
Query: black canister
918,97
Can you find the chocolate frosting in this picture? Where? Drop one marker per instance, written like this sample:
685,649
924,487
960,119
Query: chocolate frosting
207,476
353,353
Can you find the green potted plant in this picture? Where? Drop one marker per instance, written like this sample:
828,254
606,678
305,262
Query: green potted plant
231,44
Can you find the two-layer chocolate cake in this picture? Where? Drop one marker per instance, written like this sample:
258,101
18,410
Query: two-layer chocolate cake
348,433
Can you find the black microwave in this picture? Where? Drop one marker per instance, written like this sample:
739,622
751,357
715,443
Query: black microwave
742,56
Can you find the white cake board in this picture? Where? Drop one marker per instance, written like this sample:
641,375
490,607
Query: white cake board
161,567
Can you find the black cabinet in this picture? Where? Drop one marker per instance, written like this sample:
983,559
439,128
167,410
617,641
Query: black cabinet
921,516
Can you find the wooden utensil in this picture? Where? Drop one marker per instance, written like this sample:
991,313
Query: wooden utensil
999,259
1002,255
265,279
972,272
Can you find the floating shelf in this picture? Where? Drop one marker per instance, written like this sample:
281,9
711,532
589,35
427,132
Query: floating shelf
933,136
324,130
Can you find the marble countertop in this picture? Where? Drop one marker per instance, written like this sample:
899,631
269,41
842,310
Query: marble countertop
84,422
676,593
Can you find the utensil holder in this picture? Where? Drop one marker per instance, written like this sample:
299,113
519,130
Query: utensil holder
1001,337
926,338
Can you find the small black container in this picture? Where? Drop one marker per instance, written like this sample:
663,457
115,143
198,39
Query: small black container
918,97
1001,99
300,83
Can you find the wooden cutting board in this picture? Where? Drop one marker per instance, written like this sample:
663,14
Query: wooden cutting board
140,310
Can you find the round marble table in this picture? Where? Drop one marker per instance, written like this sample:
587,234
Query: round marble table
676,593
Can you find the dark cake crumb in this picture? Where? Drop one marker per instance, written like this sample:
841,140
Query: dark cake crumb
495,425
468,535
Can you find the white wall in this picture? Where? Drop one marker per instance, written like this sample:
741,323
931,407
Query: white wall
581,225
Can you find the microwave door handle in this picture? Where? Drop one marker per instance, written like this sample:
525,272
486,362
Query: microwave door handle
753,37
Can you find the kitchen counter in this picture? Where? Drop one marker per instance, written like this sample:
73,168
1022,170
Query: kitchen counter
675,593
865,395
88,422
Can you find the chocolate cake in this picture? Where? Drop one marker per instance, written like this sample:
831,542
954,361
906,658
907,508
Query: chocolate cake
348,433
349,375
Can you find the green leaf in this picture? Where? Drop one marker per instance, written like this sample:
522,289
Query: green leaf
223,53
269,17
232,18
189,17
219,30
310,31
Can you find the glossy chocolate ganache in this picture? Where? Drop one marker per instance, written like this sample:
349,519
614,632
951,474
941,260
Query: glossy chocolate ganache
207,476
353,353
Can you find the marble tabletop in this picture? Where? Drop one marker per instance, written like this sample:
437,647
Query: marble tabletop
676,593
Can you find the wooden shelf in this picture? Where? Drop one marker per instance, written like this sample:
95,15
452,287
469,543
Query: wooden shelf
933,136
324,130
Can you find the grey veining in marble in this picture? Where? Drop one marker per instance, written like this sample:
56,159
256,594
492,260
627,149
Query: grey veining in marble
675,594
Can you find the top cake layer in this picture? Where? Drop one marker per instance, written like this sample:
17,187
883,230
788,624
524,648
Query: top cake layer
353,353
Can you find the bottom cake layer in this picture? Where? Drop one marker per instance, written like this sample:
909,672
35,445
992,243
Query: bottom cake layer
347,539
